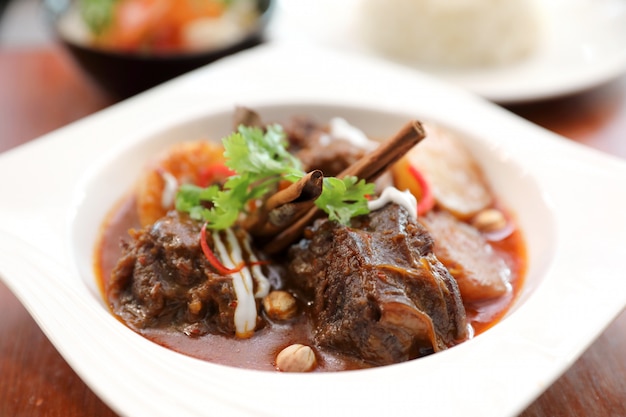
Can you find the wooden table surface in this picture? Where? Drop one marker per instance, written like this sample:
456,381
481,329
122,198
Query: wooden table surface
41,89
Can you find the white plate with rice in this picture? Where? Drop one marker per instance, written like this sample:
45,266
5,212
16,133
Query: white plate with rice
508,52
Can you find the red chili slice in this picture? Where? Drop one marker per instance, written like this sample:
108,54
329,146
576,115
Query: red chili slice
427,200
210,256
214,173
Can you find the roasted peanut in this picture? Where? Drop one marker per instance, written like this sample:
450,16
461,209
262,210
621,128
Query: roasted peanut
195,306
280,305
296,358
489,220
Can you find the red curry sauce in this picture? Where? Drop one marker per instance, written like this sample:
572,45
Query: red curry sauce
259,351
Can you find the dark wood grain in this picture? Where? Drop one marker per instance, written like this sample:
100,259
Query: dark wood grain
41,89
595,118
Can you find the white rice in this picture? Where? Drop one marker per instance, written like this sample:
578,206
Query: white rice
452,33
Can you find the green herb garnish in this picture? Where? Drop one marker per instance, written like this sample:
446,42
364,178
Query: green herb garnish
260,160
97,14
344,198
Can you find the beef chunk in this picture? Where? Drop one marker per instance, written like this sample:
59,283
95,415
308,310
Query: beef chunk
331,158
163,279
302,131
377,290
312,144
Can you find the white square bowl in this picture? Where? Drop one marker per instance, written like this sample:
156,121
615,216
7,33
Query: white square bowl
567,200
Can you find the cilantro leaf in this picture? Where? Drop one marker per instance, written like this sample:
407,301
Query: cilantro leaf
250,150
260,160
344,198
190,197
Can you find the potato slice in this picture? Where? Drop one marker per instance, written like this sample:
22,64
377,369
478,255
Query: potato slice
478,270
457,181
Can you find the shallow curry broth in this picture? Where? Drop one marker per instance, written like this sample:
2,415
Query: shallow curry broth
485,314
259,351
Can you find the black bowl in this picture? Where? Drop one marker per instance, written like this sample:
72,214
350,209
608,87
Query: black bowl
123,75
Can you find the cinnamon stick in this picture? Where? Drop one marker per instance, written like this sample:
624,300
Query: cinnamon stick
369,168
282,208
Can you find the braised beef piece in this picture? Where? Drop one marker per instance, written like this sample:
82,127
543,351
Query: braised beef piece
377,290
310,142
301,131
164,280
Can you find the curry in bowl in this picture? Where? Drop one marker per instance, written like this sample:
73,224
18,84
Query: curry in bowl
160,27
311,246
128,46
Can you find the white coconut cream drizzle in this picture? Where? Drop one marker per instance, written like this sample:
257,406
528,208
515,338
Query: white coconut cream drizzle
393,195
169,189
340,129
243,281
262,282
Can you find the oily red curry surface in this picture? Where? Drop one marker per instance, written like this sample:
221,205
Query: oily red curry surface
259,351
